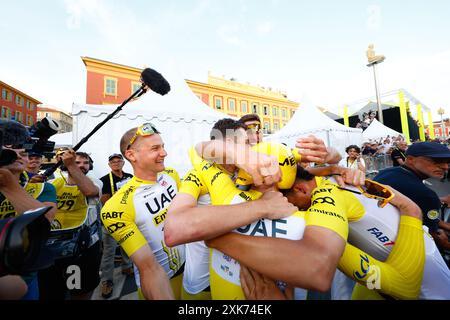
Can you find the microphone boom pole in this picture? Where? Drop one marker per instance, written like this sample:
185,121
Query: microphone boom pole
149,78
137,93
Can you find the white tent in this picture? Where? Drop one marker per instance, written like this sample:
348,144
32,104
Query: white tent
62,139
181,117
308,119
389,100
377,130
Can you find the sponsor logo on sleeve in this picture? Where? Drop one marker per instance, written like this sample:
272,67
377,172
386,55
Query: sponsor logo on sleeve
115,226
328,200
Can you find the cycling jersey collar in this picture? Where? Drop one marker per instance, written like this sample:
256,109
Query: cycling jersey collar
139,180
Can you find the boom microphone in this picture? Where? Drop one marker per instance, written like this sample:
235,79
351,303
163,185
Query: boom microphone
155,81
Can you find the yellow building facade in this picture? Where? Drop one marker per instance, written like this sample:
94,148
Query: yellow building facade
64,119
109,82
237,99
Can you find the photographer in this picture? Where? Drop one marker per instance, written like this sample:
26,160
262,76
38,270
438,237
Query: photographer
75,231
17,195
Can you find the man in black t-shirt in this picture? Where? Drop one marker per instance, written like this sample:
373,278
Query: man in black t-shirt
398,154
112,182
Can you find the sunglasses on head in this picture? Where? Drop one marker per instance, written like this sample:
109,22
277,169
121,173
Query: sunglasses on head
254,126
147,129
374,190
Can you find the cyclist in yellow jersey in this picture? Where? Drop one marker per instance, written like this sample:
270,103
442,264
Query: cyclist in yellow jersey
135,215
191,218
327,212
374,230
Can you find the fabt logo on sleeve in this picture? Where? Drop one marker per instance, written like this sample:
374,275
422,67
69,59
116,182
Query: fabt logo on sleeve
112,215
381,237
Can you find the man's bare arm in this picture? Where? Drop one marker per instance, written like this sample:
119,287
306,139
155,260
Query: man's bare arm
342,175
187,222
155,283
308,263
105,197
86,186
19,198
313,149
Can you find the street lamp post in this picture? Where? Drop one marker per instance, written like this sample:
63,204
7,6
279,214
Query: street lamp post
441,112
373,61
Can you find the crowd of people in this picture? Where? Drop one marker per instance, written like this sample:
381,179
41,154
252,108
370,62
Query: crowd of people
250,220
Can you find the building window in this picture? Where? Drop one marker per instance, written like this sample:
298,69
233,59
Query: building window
30,105
6,95
292,113
19,100
283,113
135,86
275,111
266,110
29,120
231,105
255,108
48,114
18,116
275,126
244,107
218,103
110,87
6,114
266,127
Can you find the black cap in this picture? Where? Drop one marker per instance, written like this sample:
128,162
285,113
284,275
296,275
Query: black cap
115,155
34,154
428,149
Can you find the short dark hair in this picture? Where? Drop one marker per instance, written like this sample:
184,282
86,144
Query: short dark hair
357,149
83,155
223,125
250,117
303,175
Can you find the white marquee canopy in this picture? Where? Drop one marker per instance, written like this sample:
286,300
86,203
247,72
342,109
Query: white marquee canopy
308,119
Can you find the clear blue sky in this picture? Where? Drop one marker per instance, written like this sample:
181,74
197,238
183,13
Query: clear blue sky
313,49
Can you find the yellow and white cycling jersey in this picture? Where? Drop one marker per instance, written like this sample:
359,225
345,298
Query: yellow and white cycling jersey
331,208
375,232
224,270
135,216
196,271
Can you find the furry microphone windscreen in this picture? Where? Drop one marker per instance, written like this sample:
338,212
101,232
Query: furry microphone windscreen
155,81
13,132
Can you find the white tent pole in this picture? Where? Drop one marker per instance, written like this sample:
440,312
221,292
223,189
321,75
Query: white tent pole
328,138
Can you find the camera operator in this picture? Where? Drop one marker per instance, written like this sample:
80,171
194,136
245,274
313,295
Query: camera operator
17,195
75,231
